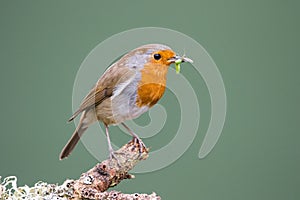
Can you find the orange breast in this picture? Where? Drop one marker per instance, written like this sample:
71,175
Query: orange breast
152,85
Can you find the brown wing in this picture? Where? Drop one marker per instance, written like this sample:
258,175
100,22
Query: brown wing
105,86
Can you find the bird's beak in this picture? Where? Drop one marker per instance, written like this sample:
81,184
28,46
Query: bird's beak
180,59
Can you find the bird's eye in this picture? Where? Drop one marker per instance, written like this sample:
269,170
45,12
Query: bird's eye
157,56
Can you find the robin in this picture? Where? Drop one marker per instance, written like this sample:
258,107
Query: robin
127,89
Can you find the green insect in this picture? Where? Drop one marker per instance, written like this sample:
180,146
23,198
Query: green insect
181,60
177,65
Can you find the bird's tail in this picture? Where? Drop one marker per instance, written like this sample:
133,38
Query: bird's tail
74,139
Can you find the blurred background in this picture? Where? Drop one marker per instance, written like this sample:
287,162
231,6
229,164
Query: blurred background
255,45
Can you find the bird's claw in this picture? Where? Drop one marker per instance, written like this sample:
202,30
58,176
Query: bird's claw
112,156
141,144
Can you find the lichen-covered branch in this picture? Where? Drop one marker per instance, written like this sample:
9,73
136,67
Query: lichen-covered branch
91,184
109,172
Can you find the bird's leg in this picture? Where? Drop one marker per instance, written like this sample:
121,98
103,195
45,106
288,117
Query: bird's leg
136,137
111,150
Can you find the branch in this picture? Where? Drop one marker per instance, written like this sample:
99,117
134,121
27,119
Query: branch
109,173
91,184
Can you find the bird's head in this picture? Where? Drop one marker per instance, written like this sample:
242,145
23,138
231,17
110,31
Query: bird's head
154,54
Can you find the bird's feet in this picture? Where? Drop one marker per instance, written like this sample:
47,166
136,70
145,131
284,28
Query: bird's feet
140,143
136,139
112,156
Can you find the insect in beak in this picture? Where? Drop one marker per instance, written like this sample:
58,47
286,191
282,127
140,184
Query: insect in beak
178,60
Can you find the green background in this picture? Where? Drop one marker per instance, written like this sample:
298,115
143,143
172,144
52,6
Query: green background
255,45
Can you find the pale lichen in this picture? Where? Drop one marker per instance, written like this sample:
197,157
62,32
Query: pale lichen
44,191
41,190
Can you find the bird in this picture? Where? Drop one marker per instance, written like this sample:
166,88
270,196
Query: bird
128,88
